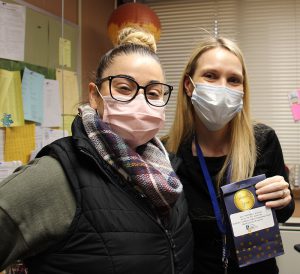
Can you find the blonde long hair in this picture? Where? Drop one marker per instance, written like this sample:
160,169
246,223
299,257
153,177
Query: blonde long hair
242,153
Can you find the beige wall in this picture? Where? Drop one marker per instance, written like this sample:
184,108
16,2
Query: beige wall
94,38
54,6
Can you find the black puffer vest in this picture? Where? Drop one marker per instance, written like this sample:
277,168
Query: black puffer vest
115,230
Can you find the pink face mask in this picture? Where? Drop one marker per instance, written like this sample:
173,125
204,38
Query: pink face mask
136,121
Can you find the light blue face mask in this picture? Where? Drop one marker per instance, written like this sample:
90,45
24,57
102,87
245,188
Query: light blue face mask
216,105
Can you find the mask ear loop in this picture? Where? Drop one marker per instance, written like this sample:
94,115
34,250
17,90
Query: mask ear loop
99,92
191,80
101,98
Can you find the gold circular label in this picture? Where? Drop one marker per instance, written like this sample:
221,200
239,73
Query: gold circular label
244,199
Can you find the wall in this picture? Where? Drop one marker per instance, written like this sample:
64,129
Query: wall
94,15
94,38
54,7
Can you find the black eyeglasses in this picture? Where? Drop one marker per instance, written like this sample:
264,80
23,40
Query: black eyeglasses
124,89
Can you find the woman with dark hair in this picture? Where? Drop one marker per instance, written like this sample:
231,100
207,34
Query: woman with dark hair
106,199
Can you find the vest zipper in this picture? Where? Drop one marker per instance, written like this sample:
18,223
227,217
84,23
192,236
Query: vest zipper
172,245
143,197
165,230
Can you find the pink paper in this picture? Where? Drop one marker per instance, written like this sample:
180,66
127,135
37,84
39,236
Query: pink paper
296,111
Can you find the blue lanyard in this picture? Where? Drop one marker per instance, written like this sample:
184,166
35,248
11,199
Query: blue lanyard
211,190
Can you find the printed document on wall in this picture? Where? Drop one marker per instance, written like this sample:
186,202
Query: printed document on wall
11,103
45,136
19,143
68,86
32,92
7,168
12,31
65,52
52,104
50,135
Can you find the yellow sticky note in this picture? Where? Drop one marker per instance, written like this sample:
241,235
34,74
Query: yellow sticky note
69,91
19,143
64,52
11,103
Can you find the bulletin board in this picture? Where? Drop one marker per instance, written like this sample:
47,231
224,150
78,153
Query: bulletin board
45,39
42,33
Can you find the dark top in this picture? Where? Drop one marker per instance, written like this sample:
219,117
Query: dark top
115,229
208,241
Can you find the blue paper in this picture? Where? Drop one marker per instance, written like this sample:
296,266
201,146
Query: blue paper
32,93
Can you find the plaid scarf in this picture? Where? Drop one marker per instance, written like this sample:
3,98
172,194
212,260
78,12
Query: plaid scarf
148,168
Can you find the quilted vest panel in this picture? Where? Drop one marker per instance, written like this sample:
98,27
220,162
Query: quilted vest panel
114,229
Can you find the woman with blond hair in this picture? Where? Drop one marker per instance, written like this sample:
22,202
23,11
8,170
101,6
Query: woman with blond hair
218,143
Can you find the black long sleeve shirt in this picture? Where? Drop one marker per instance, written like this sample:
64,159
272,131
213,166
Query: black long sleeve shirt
208,239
